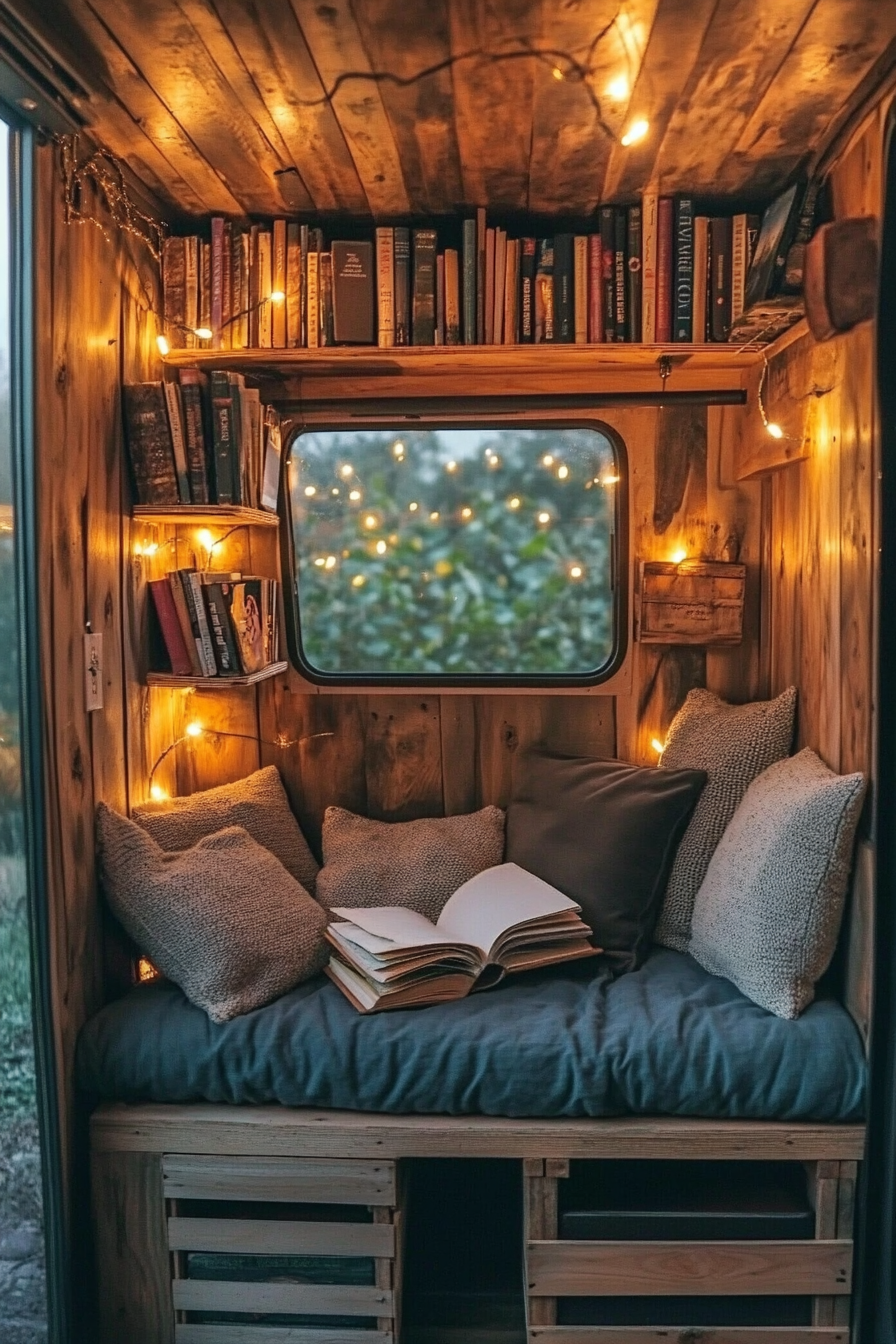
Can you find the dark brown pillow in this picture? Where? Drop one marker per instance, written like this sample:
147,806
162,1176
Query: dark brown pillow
605,833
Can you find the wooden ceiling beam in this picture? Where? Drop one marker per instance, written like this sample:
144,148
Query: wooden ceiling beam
337,49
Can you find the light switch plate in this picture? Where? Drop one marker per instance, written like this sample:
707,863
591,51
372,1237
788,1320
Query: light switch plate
93,672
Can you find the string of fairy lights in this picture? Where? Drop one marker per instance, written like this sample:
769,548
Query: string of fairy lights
195,730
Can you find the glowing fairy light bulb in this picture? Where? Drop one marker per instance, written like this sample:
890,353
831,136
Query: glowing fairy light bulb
618,88
563,472
775,430
434,516
678,556
346,470
278,296
162,345
158,794
544,517
635,132
310,491
330,562
413,506
466,512
354,495
514,502
381,548
608,480
371,520
576,571
358,581
451,466
547,460
206,539
558,73
319,561
398,449
658,746
204,333
194,729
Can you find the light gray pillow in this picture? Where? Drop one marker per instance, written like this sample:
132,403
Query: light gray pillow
417,864
768,913
733,744
258,803
224,919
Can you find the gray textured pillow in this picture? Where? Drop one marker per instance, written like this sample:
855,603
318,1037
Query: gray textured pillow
258,803
733,744
224,920
768,913
418,864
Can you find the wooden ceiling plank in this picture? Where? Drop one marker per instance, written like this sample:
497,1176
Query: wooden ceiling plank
337,48
744,47
421,114
191,184
226,51
840,42
673,48
276,55
493,99
168,52
570,147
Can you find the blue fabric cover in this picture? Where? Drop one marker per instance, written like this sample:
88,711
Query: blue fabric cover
667,1039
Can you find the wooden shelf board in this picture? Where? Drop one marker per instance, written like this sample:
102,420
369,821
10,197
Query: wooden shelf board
172,681
211,514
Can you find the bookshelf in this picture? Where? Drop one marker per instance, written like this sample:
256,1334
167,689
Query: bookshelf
204,515
174,682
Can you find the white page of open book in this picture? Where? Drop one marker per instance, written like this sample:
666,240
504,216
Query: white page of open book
395,924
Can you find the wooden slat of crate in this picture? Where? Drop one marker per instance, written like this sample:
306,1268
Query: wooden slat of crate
290,1180
824,1201
314,1299
651,1268
267,1236
691,602
656,1334
846,1202
276,1334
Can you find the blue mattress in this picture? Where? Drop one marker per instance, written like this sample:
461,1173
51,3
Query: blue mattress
667,1039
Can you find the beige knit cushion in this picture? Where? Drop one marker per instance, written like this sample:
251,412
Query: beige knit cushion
224,919
418,864
768,912
733,744
258,803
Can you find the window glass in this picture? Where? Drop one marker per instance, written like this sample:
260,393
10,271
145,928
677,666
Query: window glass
455,552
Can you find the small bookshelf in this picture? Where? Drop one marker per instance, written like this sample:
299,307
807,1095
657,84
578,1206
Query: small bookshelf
173,682
204,515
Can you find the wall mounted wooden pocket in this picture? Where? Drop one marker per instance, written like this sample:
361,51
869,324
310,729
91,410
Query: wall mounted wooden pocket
693,602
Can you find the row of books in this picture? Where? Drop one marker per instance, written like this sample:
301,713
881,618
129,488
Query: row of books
217,624
652,272
205,439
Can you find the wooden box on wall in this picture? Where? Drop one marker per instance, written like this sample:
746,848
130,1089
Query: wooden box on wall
690,603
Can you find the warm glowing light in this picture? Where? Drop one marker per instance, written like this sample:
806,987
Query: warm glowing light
576,571
618,88
557,73
635,132
678,556
162,343
346,470
371,520
158,794
451,466
608,480
278,296
319,561
658,746
544,517
434,516
335,491
381,548
206,539
358,581
466,513
443,568
330,562
547,460
310,490
413,506
194,729
204,333
514,503
354,495
398,449
775,430
563,472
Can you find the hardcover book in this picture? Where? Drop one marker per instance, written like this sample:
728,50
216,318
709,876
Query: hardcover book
149,443
245,606
253,291
778,226
440,299
544,291
664,269
469,281
489,300
278,284
423,313
205,285
191,290
738,265
312,313
265,307
270,482
325,297
498,293
452,297
527,291
194,389
227,309
595,289
172,634
480,275
720,278
241,326
174,289
564,330
402,282
217,281
649,231
178,444
504,919
188,626
385,291
192,590
683,305
223,436
227,657
580,288
512,292
701,277
294,270
608,283
353,293
620,235
633,296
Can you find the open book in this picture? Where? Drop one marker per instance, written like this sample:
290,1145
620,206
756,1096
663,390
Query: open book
503,919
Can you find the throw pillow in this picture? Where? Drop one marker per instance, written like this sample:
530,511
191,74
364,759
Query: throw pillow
768,912
258,803
418,864
224,920
733,744
605,833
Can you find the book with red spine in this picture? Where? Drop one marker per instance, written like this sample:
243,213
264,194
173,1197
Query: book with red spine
216,310
595,290
172,634
664,268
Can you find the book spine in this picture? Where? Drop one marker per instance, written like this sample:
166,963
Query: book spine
278,284
608,283
194,434
738,265
511,291
452,297
312,315
720,291
241,325
195,605
265,311
178,653
402,255
205,285
174,295
649,225
500,277
176,426
227,309
527,291
385,288
701,276
191,290
254,286
223,644
469,288
270,483
305,245
480,275
325,298
489,287
664,269
216,309
563,288
149,443
188,627
580,288
595,290
683,315
423,316
223,438
544,292
440,299
634,296
239,446
293,287
620,234
353,292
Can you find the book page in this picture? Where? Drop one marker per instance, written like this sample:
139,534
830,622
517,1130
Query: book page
400,927
496,900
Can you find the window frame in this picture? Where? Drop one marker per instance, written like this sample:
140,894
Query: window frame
464,418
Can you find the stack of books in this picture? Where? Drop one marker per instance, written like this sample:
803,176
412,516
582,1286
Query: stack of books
202,440
217,624
656,271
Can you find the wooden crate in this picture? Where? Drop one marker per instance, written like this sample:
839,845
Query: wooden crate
819,1268
692,602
